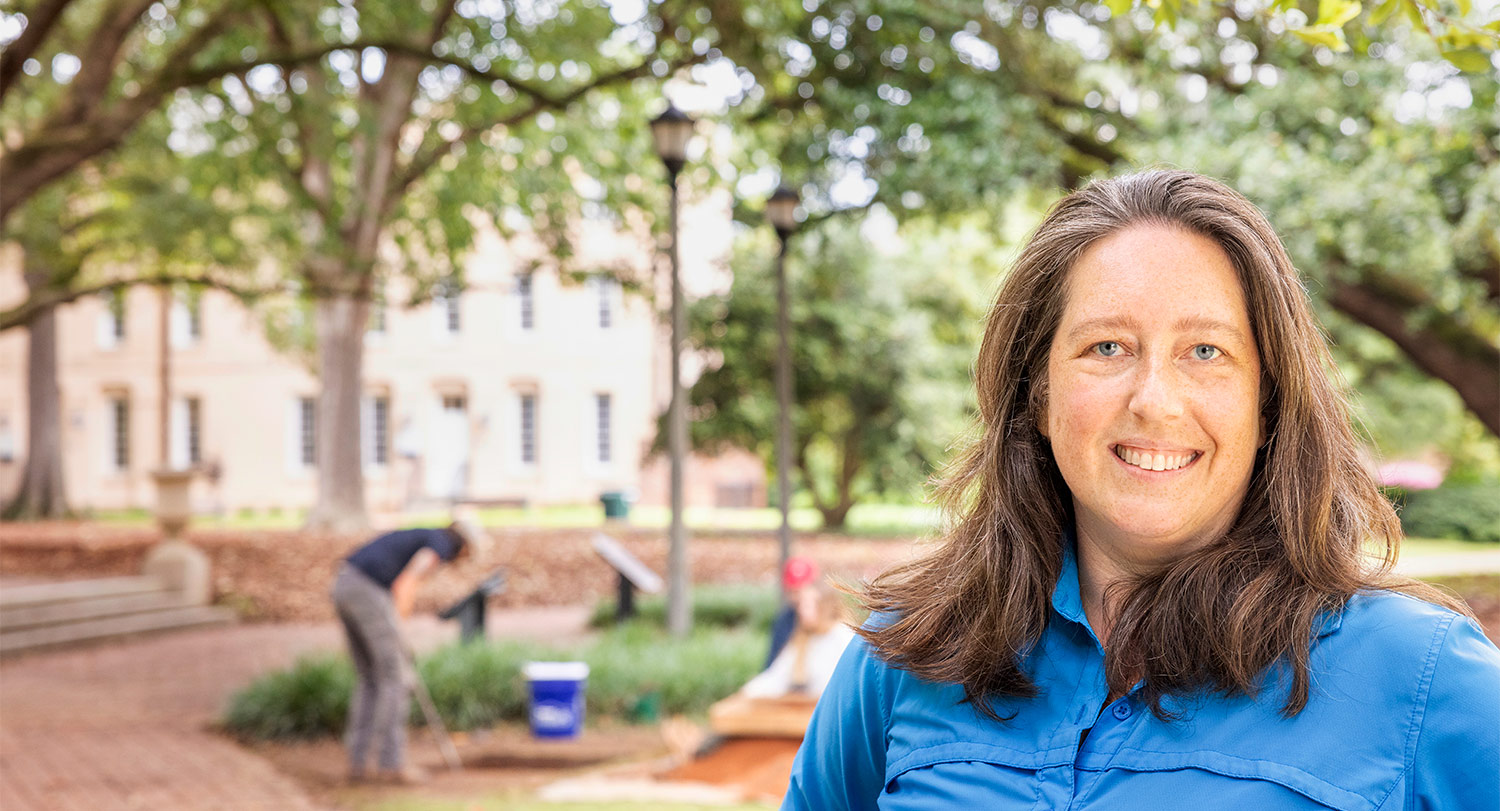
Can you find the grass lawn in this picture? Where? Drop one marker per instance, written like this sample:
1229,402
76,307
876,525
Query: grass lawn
1418,547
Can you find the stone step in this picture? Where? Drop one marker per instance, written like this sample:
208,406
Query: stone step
107,627
58,612
43,593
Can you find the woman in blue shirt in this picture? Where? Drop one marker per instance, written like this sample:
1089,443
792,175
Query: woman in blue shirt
1158,592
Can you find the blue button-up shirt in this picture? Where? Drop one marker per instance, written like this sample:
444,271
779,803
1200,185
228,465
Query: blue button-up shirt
1404,713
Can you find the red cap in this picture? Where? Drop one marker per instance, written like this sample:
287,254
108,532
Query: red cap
799,572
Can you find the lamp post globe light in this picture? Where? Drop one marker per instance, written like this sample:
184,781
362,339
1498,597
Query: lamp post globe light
671,131
781,210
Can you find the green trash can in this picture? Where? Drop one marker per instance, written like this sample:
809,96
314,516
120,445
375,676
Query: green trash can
615,505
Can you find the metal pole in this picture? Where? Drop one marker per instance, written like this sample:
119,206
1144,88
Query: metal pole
679,605
164,415
784,408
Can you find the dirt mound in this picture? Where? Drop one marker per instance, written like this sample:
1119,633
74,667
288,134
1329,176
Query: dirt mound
757,767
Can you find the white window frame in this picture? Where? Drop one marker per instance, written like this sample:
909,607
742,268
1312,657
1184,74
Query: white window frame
299,432
185,441
604,303
375,431
379,322
447,312
110,332
186,318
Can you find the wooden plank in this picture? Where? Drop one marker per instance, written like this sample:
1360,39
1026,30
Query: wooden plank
786,717
616,555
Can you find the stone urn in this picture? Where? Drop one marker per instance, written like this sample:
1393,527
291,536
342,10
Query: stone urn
178,564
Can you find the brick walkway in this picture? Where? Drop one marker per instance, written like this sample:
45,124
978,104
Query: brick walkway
126,725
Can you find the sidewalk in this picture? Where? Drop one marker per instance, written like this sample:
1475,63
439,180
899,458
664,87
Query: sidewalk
1479,561
126,725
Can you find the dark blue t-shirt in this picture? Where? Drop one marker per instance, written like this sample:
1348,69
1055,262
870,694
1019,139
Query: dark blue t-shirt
383,558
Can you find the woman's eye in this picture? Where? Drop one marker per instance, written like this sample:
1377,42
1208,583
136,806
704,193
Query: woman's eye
1107,348
1206,352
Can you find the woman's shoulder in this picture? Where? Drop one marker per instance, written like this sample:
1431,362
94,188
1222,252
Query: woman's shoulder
1406,637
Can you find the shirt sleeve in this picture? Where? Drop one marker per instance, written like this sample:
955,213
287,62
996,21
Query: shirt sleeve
441,542
1457,760
841,764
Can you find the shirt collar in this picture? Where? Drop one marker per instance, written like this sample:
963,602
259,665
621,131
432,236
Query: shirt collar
1067,598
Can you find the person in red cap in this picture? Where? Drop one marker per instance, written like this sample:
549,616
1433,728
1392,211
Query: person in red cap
813,641
798,574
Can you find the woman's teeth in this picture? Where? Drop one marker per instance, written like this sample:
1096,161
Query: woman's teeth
1154,461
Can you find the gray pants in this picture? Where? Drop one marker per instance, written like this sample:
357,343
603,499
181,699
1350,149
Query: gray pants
382,689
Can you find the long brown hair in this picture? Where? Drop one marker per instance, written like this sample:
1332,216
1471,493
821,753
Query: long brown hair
970,609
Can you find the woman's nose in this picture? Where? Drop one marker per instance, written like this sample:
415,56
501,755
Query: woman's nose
1158,393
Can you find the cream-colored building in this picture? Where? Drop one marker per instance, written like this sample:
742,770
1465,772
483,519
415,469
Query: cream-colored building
522,389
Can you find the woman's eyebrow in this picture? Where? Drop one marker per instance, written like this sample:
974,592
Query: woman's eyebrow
1112,322
1191,323
1199,323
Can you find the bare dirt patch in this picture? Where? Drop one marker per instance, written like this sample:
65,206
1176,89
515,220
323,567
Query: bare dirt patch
501,760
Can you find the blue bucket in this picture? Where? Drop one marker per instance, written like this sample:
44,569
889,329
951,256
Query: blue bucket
556,697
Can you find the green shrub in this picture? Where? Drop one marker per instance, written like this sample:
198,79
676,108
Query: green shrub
636,661
480,684
307,701
720,606
1469,512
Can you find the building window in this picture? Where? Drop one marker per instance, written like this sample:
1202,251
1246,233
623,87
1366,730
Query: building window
528,304
604,294
112,321
191,302
119,433
445,300
601,428
528,429
194,431
307,415
377,318
377,431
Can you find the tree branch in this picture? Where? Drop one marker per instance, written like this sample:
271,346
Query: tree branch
46,297
1444,349
39,23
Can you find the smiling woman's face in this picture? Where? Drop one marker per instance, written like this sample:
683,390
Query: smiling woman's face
1153,393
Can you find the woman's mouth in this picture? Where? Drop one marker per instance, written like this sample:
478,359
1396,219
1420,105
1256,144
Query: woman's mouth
1155,460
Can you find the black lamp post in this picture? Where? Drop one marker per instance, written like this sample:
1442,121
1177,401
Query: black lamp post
671,131
781,210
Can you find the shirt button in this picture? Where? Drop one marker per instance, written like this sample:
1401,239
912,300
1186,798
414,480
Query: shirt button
1121,710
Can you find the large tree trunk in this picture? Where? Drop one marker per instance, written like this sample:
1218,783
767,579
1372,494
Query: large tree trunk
341,321
1440,348
41,494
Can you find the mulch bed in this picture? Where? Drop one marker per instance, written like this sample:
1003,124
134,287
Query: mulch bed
284,575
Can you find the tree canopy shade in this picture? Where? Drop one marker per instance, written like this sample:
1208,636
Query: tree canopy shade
881,336
1378,163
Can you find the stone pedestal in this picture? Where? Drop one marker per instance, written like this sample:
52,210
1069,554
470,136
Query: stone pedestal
178,564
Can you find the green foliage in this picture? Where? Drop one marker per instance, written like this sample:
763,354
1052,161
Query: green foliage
1469,512
883,329
734,606
481,684
688,674
307,701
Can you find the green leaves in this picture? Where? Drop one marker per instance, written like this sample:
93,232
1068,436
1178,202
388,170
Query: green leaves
1328,29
